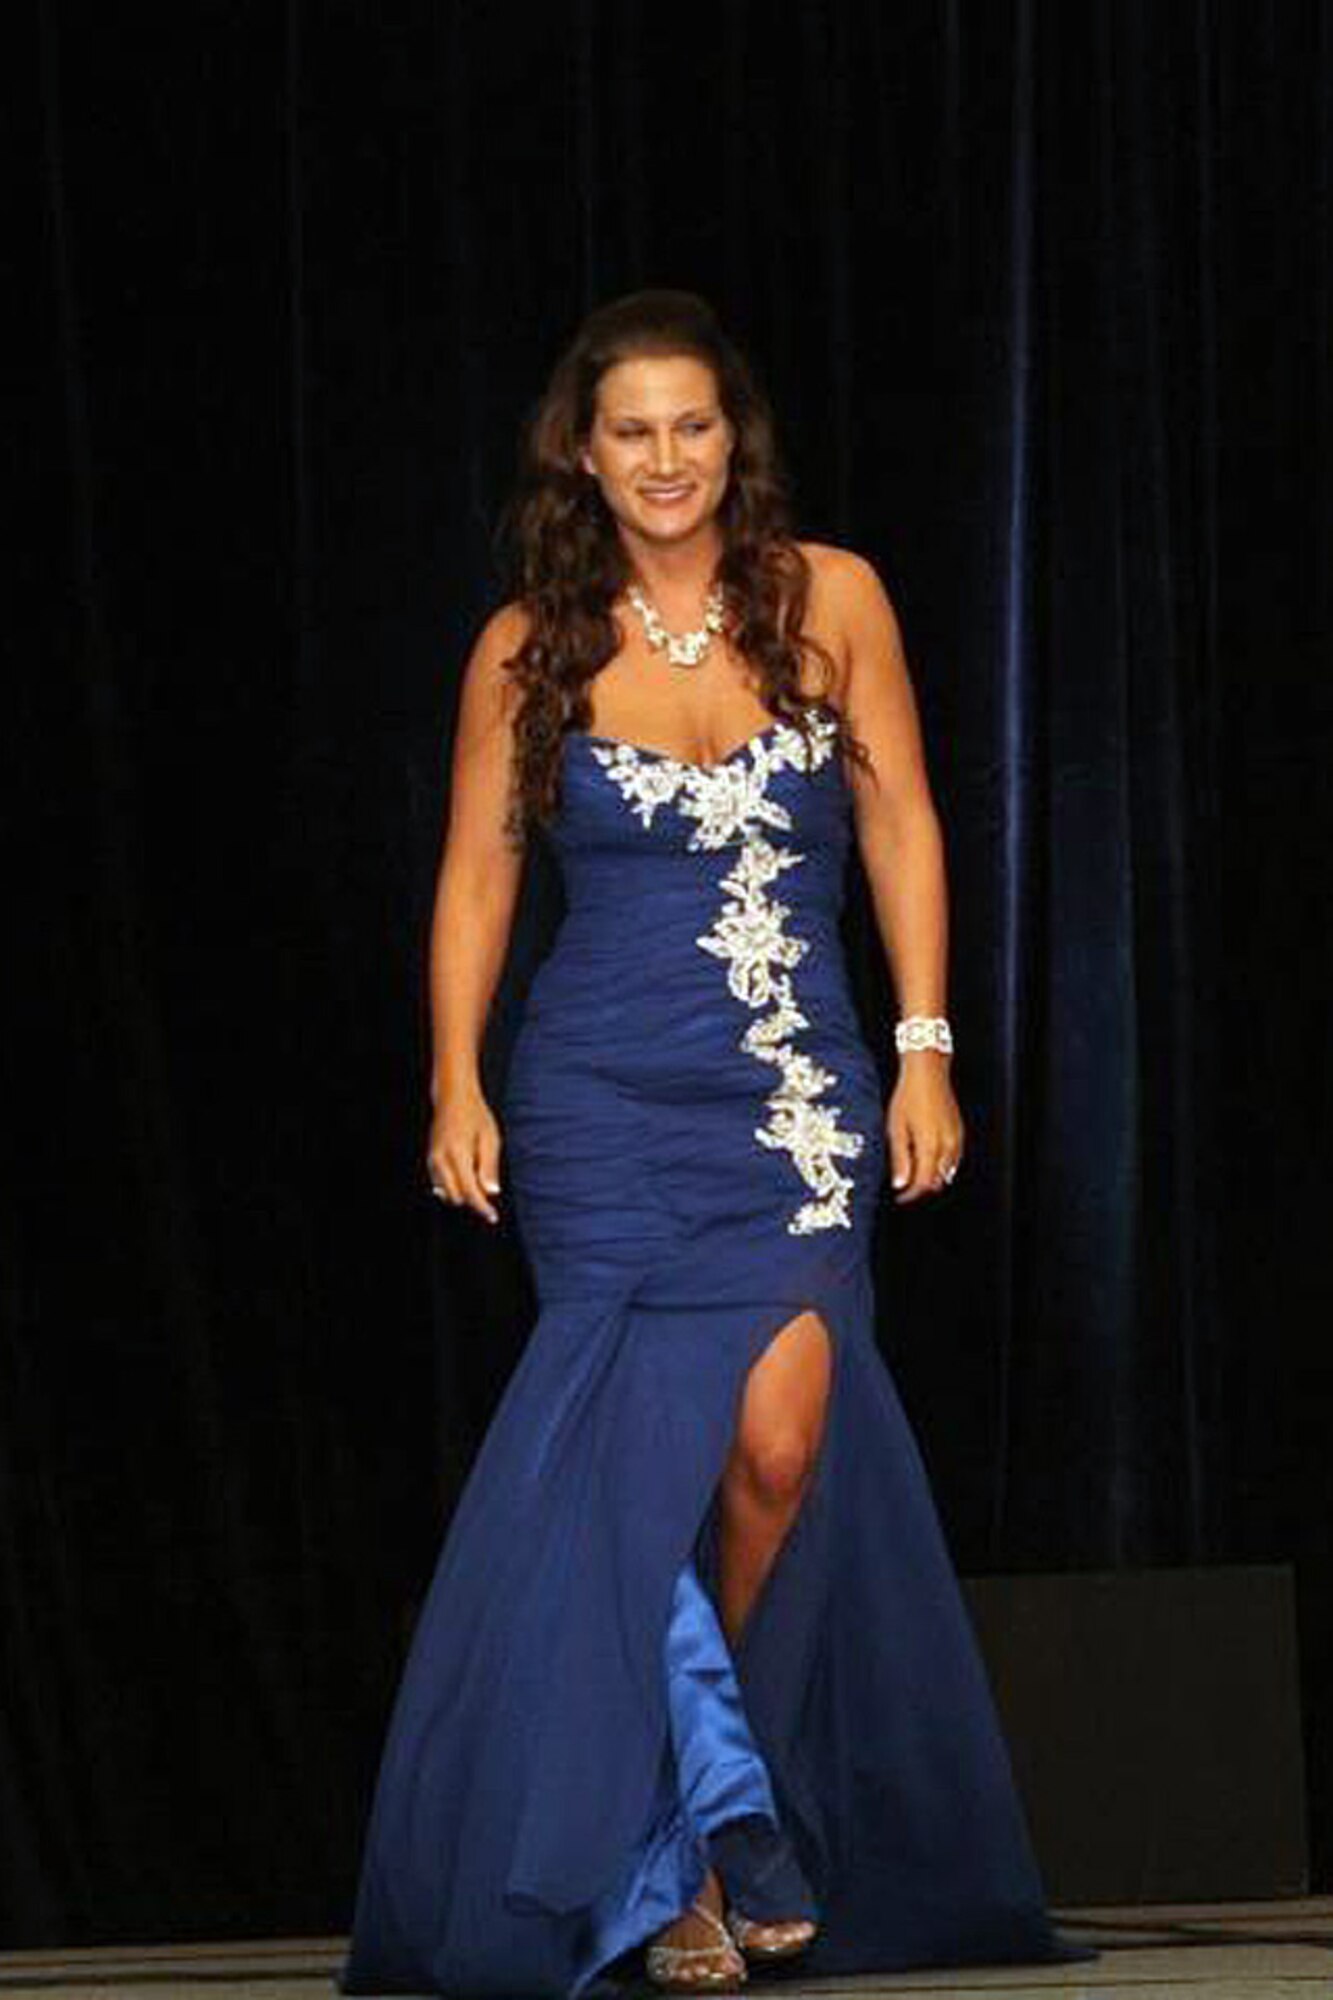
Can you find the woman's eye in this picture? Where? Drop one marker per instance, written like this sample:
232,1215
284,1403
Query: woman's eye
695,424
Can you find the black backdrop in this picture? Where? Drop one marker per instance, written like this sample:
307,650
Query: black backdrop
1041,293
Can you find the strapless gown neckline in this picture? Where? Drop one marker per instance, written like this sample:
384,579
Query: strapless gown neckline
742,749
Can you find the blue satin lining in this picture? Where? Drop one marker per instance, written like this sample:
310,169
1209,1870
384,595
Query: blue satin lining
712,1774
719,1771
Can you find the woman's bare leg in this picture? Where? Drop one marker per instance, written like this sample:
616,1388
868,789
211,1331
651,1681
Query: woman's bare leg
772,1459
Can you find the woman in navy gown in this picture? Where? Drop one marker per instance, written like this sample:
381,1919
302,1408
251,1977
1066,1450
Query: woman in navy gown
694,1673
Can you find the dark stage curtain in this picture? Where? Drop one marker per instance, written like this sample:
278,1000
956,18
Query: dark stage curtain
1041,293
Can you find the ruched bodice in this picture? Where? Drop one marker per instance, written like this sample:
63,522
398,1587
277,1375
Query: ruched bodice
699,967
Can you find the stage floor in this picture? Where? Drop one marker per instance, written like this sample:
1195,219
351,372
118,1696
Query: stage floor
1168,1951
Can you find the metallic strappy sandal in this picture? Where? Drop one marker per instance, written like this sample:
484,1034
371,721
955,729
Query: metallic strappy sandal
770,1940
698,1968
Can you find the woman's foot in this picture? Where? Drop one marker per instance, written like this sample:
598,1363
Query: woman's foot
769,1940
695,1952
758,1864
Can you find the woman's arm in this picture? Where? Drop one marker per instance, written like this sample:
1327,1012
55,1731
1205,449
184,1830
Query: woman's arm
901,844
475,896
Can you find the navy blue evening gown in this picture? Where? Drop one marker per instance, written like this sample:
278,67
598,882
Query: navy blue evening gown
694,1148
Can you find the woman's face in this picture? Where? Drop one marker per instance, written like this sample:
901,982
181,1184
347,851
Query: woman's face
660,445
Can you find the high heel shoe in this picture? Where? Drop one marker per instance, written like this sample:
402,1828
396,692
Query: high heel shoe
758,1865
769,1940
698,1968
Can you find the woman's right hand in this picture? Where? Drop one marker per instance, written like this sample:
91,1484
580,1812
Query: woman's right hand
463,1155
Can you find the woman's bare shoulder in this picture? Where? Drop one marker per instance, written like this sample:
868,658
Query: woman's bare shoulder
841,582
504,629
839,575
489,690
498,637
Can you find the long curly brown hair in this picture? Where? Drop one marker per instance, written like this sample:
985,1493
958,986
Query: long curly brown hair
567,563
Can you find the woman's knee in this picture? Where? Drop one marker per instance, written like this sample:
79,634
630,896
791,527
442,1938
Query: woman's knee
770,1465
781,1416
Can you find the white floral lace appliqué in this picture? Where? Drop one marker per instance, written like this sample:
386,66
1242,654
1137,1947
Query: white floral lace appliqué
730,802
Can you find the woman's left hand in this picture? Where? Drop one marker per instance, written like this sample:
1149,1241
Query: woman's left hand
923,1126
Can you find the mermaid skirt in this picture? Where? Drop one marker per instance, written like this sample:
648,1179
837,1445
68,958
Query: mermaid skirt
574,1741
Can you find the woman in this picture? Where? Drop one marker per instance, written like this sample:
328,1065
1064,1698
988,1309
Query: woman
693,1672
